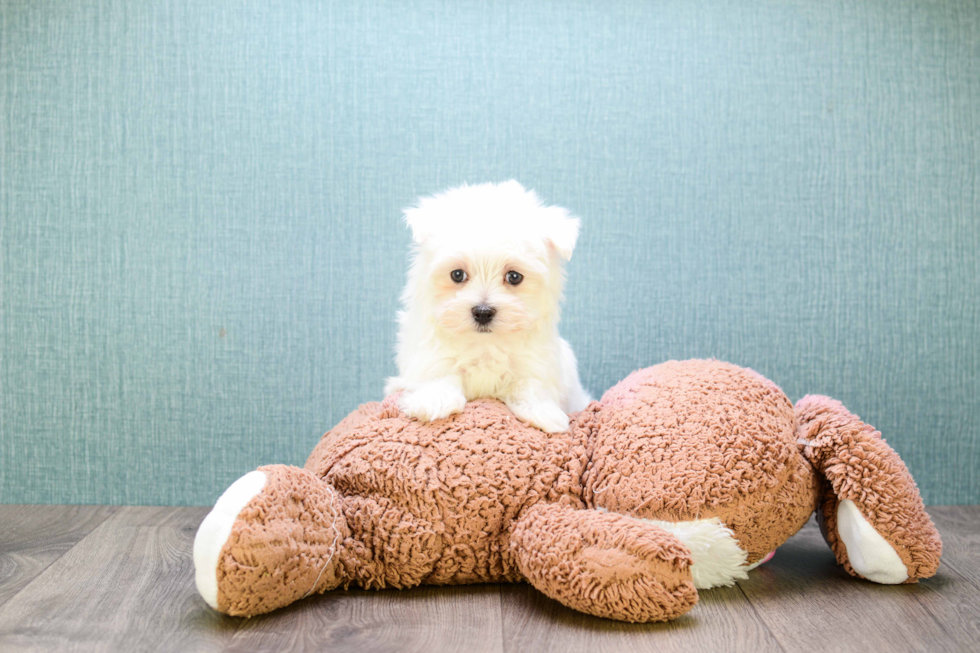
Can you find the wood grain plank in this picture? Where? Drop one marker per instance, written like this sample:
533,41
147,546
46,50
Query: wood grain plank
128,586
959,527
810,604
33,537
953,597
423,620
723,620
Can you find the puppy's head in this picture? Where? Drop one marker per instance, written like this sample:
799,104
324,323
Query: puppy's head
488,259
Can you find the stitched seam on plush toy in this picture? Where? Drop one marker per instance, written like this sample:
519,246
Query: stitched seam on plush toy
333,547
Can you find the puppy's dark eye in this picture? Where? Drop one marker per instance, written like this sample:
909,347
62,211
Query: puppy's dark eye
514,278
458,276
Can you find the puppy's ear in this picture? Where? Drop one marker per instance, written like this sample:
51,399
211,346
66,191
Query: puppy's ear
418,221
561,231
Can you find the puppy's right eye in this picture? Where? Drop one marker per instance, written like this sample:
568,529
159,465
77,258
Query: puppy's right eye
458,276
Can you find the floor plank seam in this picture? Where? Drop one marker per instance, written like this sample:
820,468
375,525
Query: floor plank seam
932,615
503,624
952,567
112,512
762,621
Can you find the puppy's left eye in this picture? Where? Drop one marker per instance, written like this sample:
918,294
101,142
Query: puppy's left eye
514,278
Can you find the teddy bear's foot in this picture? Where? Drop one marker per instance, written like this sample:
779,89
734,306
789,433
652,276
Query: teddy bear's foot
275,536
215,529
871,513
604,564
870,555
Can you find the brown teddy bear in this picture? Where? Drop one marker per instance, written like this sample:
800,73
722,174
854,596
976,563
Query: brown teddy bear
684,476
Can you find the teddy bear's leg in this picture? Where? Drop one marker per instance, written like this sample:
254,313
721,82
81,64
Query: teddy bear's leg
871,512
275,536
604,564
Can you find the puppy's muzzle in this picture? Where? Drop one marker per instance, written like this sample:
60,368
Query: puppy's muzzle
483,314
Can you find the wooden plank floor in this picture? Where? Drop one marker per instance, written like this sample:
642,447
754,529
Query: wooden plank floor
90,578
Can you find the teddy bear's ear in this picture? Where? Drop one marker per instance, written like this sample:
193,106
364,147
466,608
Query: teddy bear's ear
561,231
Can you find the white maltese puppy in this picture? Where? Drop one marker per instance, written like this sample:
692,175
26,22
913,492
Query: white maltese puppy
482,304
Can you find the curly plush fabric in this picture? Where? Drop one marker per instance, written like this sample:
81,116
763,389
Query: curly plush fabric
680,477
281,542
860,466
435,503
710,439
605,564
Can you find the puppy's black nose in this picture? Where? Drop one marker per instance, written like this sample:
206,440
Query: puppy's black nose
483,314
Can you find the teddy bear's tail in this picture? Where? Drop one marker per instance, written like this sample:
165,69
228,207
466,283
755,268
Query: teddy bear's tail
871,513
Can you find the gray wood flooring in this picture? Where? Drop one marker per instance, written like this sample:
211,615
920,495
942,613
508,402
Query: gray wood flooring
93,578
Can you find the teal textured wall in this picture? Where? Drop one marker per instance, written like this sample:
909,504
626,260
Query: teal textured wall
201,248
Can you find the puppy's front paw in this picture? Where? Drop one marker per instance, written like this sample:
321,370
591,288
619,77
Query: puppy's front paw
545,415
432,401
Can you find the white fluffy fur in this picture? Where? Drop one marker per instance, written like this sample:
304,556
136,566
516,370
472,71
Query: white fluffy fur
870,554
718,559
215,529
444,359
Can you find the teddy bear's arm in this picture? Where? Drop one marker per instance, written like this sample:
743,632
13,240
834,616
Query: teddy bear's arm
871,512
604,564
